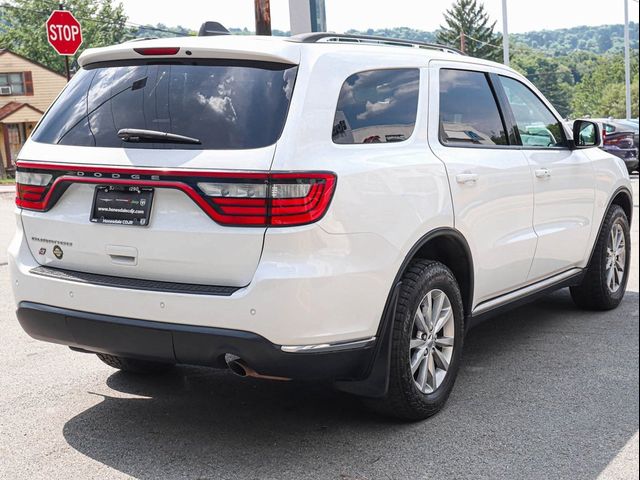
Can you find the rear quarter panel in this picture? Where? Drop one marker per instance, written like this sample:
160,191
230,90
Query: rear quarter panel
392,192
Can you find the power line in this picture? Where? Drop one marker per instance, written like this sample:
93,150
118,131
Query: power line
481,41
98,20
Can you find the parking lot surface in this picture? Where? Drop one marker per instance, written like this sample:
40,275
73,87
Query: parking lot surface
545,391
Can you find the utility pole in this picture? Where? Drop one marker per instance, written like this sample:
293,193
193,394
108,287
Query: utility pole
463,42
263,17
66,57
627,68
505,34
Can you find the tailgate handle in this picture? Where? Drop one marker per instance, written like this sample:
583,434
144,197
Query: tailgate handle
122,255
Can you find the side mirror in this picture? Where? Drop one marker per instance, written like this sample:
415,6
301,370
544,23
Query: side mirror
586,134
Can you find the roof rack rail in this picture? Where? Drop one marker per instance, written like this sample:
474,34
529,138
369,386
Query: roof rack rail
324,37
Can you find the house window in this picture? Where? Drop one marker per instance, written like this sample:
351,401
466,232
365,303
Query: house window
15,81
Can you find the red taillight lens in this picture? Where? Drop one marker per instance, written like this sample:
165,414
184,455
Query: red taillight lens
31,189
304,201
157,51
622,141
285,199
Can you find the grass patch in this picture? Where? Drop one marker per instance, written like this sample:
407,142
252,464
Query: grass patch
7,181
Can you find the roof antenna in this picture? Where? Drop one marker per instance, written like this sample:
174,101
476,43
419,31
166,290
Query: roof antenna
209,29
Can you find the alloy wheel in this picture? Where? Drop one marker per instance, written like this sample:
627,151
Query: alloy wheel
616,258
432,341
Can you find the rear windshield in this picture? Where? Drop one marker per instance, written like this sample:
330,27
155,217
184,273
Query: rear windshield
230,105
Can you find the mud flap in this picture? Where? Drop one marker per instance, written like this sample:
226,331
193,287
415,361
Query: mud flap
376,383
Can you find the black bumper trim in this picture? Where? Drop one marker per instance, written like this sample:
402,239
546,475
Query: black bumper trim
132,283
185,344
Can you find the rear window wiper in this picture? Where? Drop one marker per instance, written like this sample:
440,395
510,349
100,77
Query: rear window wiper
139,135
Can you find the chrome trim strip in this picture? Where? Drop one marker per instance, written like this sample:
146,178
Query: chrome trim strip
328,347
523,292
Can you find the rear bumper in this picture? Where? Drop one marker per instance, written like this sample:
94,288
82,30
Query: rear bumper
311,288
187,344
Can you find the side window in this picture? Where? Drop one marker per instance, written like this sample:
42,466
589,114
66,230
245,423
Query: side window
469,112
377,106
538,127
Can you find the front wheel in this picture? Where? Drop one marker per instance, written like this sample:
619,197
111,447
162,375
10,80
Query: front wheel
427,340
606,278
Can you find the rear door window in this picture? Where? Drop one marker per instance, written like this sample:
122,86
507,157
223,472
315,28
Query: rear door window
469,112
225,105
377,106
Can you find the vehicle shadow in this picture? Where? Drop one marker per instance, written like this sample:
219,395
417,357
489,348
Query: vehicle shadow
544,391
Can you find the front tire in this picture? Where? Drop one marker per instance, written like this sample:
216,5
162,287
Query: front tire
134,365
427,341
606,278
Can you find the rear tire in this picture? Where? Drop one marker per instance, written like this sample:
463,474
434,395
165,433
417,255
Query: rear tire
422,375
134,365
605,281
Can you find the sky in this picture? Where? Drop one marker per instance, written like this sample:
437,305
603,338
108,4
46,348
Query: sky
523,15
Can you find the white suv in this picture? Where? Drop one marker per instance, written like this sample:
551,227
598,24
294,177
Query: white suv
321,207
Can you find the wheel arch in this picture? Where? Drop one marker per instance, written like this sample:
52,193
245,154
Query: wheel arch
449,247
446,245
624,199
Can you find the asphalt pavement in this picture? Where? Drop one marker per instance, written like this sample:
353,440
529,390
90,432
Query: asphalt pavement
545,391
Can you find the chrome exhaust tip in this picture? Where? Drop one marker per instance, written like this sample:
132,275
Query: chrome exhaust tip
235,364
240,368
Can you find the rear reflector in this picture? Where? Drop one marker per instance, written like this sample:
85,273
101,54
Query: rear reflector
157,51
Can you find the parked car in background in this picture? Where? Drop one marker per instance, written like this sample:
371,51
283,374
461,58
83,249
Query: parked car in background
620,138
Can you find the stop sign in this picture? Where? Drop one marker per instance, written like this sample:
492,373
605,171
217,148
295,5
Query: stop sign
64,32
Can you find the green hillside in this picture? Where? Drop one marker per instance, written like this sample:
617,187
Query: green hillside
599,40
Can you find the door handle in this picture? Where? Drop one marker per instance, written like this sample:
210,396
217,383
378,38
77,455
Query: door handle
543,173
467,178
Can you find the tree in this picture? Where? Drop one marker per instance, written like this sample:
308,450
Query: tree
23,29
602,93
160,30
552,78
612,101
469,18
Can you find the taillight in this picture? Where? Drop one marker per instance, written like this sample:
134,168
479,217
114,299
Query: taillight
251,199
31,188
279,199
157,51
622,141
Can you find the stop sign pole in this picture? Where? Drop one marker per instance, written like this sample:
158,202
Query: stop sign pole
64,34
